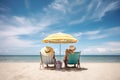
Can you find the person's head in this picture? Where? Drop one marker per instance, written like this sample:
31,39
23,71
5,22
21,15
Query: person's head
47,51
72,48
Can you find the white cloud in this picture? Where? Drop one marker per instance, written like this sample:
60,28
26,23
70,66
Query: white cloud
82,19
92,32
64,10
16,31
98,4
14,41
21,20
9,37
16,26
20,25
90,6
58,6
78,34
95,34
27,4
65,6
88,33
94,50
10,32
113,30
96,37
94,11
101,10
110,47
99,34
115,44
104,48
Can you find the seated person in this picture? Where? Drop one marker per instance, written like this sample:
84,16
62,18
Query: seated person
48,51
70,50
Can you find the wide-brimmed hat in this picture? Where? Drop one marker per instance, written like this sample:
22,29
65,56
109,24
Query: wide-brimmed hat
72,47
47,51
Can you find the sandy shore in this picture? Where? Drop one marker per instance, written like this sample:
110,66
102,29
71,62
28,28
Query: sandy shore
31,71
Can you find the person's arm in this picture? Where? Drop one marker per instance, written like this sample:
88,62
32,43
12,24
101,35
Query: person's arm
66,54
54,55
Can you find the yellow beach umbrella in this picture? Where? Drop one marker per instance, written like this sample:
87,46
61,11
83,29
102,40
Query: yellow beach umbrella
60,38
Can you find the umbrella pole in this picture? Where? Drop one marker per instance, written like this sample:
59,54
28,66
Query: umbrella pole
60,50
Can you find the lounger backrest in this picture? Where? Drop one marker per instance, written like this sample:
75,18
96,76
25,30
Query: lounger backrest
73,58
47,59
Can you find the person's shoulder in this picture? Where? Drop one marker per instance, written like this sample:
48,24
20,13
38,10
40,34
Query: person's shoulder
67,49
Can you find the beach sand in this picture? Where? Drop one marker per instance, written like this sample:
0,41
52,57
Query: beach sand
32,71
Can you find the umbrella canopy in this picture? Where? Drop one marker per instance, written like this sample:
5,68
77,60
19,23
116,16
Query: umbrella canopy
60,38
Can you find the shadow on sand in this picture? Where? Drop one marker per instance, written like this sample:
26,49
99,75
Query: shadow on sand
67,69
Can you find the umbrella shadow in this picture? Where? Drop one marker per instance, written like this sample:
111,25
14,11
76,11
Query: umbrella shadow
69,69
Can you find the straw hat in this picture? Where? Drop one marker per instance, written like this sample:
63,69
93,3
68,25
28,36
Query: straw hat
72,47
47,51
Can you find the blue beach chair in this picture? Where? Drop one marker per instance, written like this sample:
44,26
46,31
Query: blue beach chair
74,59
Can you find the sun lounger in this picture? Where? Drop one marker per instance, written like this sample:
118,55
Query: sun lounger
74,59
47,60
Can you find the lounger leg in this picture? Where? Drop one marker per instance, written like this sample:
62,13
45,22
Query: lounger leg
78,65
47,65
74,65
54,65
65,62
41,65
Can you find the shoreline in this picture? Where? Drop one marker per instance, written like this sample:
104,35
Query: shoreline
89,59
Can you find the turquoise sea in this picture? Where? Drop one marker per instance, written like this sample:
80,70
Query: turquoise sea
83,58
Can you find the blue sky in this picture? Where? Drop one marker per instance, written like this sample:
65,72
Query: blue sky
24,23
